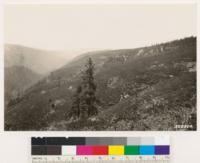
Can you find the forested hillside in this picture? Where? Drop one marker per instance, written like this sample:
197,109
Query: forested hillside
148,88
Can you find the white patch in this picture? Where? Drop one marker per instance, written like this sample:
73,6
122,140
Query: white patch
140,52
59,102
43,92
70,87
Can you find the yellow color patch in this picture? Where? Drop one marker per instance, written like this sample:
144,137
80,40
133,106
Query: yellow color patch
116,150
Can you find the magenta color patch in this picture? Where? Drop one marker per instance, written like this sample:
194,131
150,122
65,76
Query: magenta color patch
84,150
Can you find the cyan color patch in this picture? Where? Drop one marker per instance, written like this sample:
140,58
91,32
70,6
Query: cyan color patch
147,150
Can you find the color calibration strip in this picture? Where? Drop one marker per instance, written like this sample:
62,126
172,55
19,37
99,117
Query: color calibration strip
101,146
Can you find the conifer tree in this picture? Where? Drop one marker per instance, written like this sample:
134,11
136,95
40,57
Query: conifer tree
84,100
88,98
76,102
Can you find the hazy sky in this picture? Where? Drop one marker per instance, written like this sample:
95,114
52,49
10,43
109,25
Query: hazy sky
97,26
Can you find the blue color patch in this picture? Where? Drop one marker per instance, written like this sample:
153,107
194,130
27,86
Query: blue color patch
147,150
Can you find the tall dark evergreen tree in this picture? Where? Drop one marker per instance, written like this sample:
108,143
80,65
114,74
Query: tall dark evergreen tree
75,103
84,100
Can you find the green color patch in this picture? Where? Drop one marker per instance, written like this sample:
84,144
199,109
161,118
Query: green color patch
132,150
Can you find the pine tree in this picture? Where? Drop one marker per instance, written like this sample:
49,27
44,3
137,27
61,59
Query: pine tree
83,105
87,97
75,104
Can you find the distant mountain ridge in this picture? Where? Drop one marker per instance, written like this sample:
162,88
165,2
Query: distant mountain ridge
37,60
18,79
148,88
25,66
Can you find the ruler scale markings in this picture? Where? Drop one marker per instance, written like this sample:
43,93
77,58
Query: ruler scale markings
110,159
